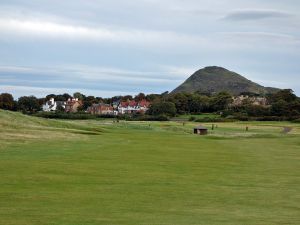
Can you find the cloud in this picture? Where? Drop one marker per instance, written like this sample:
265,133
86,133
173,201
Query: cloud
98,46
87,77
96,73
21,69
256,14
38,28
180,72
57,30
266,37
18,91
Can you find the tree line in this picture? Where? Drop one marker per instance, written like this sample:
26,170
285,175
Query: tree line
283,105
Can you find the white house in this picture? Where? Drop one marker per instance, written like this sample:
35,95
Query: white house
53,105
132,107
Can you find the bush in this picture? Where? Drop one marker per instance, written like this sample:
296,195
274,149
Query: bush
148,118
192,118
269,118
107,116
157,118
296,120
162,108
205,119
86,116
63,115
215,120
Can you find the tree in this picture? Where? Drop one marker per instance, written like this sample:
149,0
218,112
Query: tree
116,99
286,95
164,95
88,101
127,97
162,108
221,101
60,109
153,97
29,104
181,102
7,101
48,97
257,110
198,103
41,101
139,97
279,108
284,103
66,96
78,95
63,97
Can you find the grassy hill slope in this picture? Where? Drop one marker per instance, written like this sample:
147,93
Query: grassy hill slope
18,127
216,79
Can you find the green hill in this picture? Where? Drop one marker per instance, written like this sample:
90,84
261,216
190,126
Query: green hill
16,126
216,79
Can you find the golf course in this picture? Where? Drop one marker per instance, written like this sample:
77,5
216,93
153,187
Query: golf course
94,172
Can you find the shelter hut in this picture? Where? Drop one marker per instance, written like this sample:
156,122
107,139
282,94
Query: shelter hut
200,130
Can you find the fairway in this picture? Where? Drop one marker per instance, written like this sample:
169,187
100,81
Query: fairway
147,173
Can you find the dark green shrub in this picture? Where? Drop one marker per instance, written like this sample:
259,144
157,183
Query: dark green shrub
192,118
296,120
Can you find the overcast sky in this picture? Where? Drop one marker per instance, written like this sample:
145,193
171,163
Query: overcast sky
117,47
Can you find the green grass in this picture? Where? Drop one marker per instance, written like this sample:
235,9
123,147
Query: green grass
100,172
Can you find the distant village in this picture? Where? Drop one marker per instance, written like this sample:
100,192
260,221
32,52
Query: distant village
130,106
282,105
119,107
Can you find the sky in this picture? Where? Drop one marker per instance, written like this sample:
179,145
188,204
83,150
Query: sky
117,47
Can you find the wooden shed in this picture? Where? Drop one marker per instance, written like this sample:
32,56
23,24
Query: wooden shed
200,130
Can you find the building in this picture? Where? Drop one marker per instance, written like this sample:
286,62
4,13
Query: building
200,130
132,107
72,105
144,105
127,107
53,105
101,109
115,106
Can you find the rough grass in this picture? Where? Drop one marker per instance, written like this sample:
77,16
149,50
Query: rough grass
147,173
16,127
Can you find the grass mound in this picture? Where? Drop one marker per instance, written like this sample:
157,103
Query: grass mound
18,127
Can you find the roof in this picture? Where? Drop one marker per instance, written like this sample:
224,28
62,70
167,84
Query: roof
73,101
124,104
100,105
200,128
132,103
144,103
